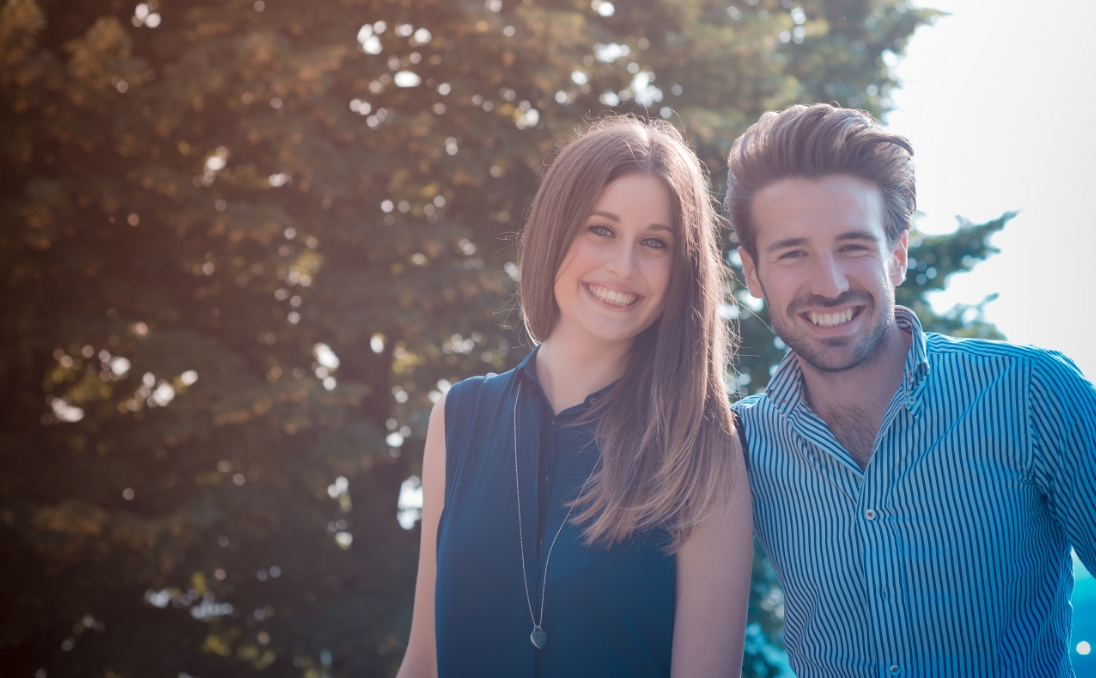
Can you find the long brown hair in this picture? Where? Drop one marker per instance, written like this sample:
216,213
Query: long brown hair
666,433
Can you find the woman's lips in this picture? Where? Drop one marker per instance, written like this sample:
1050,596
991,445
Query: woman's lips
611,297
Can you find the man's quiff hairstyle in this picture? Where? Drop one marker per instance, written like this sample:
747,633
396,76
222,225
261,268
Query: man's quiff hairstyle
812,142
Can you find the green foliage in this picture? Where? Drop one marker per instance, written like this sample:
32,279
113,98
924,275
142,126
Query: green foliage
205,203
933,259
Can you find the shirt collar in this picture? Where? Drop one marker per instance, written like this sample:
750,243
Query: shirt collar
527,368
526,372
785,389
917,360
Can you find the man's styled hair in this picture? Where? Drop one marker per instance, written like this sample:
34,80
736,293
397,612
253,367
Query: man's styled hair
666,434
811,142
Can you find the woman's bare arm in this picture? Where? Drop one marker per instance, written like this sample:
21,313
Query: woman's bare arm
421,659
713,592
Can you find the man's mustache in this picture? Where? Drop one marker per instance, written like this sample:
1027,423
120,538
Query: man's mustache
843,299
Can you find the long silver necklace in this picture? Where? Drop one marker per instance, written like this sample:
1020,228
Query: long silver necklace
539,636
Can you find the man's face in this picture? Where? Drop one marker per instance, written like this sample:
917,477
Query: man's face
825,268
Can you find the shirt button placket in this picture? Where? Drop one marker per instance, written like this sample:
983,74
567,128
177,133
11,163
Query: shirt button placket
877,570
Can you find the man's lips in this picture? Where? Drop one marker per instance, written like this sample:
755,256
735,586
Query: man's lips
832,318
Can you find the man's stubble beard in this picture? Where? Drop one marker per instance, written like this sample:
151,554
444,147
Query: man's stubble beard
865,349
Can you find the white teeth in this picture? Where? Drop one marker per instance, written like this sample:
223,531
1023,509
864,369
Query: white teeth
611,297
830,319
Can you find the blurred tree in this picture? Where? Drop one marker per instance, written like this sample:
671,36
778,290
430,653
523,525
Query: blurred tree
246,244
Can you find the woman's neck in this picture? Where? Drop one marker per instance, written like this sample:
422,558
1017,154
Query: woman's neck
570,370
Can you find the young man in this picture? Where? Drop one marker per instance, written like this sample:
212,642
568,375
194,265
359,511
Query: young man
918,495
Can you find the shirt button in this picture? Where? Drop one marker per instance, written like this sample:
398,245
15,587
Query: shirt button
545,480
895,669
870,514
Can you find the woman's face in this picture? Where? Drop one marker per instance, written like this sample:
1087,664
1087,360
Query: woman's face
612,283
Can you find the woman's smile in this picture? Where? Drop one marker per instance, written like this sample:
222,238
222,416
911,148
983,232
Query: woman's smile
611,298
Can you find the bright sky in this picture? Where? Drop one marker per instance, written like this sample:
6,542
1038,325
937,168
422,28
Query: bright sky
999,102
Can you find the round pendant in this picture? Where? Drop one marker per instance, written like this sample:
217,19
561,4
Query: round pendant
539,637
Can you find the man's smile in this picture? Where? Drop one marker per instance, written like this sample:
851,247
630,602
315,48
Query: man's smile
833,318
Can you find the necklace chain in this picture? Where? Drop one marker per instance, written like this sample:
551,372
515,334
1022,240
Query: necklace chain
521,533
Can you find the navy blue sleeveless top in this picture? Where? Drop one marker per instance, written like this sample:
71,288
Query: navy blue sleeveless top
609,611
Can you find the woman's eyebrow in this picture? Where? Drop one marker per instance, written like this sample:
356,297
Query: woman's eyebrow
614,217
607,215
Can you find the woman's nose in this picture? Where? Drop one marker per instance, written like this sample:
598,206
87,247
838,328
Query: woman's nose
622,261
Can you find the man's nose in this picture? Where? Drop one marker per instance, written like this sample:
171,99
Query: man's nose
828,279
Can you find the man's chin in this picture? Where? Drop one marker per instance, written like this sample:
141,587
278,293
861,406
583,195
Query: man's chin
831,363
830,354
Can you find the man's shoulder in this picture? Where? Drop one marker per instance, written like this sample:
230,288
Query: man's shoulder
975,348
1046,365
749,402
755,408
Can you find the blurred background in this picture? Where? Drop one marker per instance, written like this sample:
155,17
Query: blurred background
247,243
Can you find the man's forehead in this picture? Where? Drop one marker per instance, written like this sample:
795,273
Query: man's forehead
825,209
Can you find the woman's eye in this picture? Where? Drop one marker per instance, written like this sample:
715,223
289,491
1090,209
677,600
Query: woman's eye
598,229
656,243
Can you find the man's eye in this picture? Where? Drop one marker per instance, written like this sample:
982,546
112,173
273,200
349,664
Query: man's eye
794,254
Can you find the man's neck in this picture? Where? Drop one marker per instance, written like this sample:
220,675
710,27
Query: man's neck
853,402
570,369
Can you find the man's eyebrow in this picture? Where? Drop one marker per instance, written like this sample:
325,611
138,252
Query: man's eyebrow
787,242
798,242
858,235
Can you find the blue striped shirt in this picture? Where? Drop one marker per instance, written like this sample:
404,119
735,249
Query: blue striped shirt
949,554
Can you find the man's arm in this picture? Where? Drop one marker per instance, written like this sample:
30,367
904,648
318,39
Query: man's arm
1063,423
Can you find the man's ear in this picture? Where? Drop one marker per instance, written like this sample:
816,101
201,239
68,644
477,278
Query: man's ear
749,267
900,259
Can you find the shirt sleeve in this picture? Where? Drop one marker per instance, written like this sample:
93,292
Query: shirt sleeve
1063,421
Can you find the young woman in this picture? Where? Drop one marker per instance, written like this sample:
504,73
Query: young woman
587,513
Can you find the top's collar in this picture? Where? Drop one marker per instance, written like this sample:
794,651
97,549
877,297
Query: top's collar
526,371
527,368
